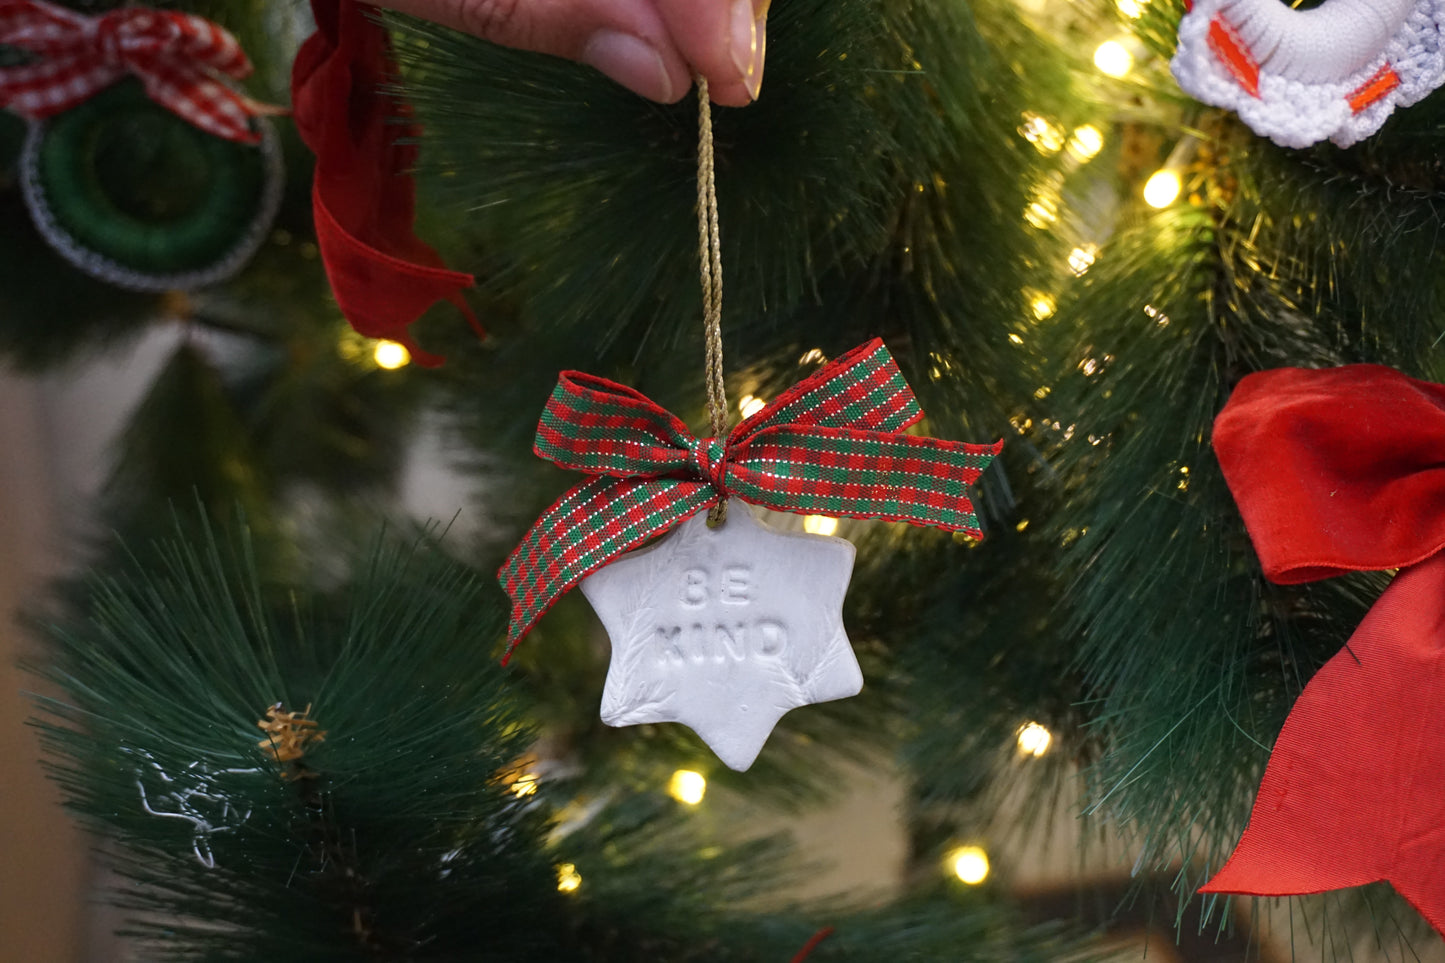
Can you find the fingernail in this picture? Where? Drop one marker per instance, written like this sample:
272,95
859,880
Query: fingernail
631,62
755,82
745,40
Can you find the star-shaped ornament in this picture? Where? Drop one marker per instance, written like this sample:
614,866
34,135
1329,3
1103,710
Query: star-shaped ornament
725,629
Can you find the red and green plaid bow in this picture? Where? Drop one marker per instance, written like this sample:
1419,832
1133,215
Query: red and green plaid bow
831,445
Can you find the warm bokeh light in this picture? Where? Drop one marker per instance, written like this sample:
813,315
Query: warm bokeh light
568,879
1046,136
969,864
687,786
1162,188
1130,8
819,524
750,405
1082,258
390,355
1041,214
1034,739
812,356
524,785
1085,143
1043,306
1113,58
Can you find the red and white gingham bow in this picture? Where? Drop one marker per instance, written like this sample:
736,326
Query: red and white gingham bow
177,56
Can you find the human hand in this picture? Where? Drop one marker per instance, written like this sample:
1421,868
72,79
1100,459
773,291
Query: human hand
652,47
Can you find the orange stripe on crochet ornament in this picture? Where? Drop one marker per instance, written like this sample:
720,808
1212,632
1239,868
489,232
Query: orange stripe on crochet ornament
1381,83
1230,50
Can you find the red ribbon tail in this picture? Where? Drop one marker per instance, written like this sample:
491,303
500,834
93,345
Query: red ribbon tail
384,276
382,295
812,944
460,303
1354,791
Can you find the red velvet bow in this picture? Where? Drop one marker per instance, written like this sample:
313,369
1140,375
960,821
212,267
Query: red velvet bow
383,275
1335,471
178,58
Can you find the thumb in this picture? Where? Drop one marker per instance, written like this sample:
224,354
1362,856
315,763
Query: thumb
625,39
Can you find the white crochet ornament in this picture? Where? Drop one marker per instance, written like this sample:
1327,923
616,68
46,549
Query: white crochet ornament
1301,76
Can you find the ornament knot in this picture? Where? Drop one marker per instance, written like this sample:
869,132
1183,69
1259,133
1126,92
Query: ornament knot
109,43
710,456
124,37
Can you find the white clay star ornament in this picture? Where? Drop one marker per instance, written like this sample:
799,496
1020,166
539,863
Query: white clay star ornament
725,629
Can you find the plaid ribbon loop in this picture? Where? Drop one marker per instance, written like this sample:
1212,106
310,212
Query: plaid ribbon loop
832,444
179,58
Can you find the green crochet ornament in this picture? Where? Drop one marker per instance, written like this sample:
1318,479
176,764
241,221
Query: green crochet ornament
133,195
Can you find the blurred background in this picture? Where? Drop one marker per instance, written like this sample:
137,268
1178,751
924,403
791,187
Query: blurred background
251,526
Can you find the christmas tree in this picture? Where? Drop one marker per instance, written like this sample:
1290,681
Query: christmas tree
277,698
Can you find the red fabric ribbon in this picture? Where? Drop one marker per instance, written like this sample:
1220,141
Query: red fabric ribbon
178,57
1334,471
812,944
364,202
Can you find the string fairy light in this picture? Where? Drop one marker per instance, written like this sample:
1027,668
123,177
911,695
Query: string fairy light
969,864
1046,136
820,524
1034,739
568,879
1085,143
1113,59
1165,184
390,355
687,786
749,405
1162,188
1082,258
1043,305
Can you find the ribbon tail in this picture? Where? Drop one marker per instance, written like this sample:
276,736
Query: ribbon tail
23,21
383,275
1354,791
585,529
40,90
380,295
201,101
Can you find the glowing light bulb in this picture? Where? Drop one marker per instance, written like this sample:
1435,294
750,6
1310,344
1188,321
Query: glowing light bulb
1041,214
1082,258
1034,739
1046,136
1130,8
568,879
1162,188
750,405
969,864
390,355
1113,58
1043,306
524,785
1085,143
687,787
819,524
